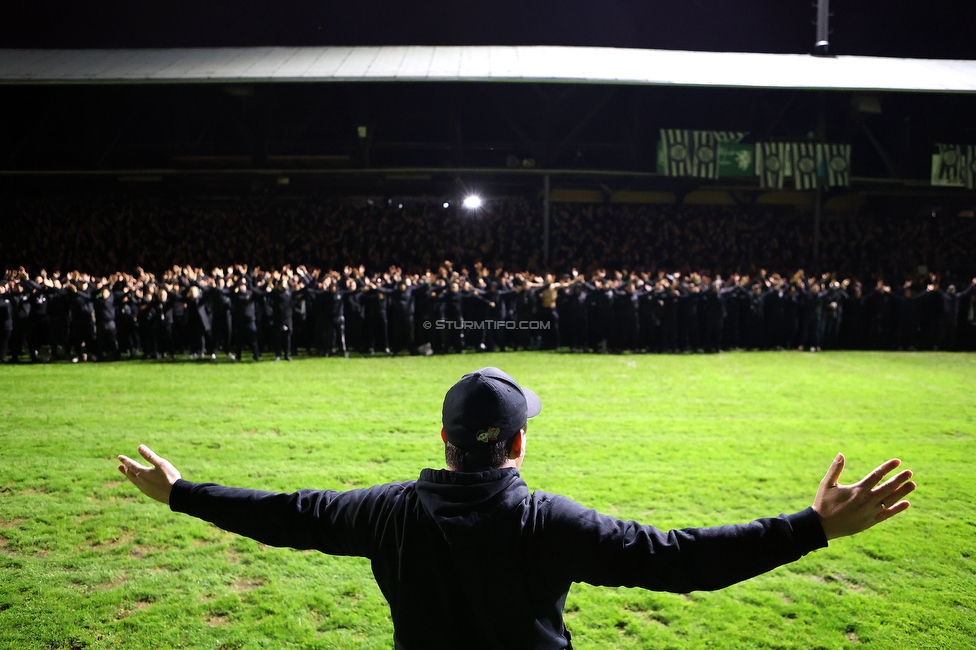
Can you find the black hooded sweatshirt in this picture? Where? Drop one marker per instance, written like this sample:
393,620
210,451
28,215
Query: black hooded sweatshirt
474,560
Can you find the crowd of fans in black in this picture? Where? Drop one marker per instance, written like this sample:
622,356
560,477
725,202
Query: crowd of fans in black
237,310
713,295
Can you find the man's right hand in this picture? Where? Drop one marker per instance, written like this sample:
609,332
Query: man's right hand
156,481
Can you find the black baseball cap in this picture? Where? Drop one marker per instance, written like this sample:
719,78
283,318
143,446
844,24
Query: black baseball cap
486,406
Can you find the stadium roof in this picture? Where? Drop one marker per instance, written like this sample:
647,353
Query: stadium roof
552,64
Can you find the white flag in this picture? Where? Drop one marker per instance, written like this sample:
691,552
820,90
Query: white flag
704,155
837,159
773,162
949,165
806,161
677,148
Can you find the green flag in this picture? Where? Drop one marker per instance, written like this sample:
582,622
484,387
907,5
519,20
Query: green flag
735,160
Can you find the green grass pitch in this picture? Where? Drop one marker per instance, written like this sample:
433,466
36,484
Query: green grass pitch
87,562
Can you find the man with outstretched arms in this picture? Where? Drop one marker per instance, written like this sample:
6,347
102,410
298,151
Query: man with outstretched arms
468,557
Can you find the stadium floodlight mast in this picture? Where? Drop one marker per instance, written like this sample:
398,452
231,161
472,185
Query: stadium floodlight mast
472,202
823,28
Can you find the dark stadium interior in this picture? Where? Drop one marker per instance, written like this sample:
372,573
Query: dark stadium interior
112,177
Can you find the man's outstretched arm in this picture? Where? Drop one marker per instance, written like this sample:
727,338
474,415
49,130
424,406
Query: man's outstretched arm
607,551
338,523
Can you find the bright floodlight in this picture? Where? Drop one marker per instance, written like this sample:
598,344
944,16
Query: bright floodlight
446,205
472,202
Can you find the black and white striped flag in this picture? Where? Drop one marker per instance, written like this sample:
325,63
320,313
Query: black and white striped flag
806,160
677,149
773,162
704,154
949,165
837,160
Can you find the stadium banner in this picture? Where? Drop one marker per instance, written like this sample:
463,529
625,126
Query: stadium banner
704,157
949,166
806,163
735,159
773,162
837,160
677,148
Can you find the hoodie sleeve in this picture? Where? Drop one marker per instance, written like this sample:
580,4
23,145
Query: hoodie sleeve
337,523
602,550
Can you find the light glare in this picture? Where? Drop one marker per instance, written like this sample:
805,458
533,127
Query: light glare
472,202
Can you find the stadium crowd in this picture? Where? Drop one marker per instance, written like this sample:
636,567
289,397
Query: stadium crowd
238,310
712,294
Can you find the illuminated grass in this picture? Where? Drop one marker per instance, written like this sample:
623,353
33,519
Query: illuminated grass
85,561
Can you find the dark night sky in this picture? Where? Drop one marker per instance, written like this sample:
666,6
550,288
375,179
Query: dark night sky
917,28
